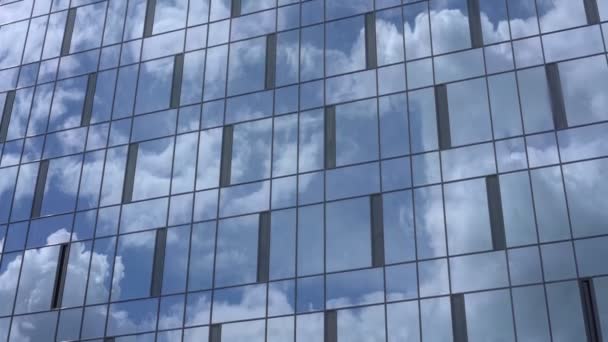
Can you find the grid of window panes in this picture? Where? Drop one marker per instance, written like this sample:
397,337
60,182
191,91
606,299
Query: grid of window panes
320,170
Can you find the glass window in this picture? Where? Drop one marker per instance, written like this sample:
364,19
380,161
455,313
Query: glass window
353,324
423,120
251,151
311,294
489,316
356,132
436,319
558,261
311,151
505,105
530,309
37,279
209,155
565,311
133,266
354,288
403,323
398,219
68,102
401,282
467,215
237,251
430,225
239,303
478,272
535,103
345,46
310,240
175,265
282,244
524,265
389,36
590,254
448,36
153,170
202,249
517,208
550,204
246,69
169,15
394,125
433,278
469,112
348,234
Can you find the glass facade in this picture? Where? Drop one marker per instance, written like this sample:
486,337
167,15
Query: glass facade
319,170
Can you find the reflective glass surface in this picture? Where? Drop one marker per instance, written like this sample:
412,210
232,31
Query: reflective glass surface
303,170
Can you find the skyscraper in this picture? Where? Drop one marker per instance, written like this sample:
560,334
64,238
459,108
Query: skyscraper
303,171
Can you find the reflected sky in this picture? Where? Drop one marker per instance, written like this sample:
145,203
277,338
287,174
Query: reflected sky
507,115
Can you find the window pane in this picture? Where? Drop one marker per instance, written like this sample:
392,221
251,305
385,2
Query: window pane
348,234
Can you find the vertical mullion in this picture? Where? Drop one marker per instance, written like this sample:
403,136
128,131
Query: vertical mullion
590,310
62,268
87,111
377,223
371,57
330,137
271,60
149,20
592,12
43,170
263,247
235,8
496,215
558,107
459,318
226,159
215,333
127,192
331,326
176,86
6,114
443,117
159,262
67,33
475,24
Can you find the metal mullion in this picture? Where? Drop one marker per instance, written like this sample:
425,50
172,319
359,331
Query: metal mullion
149,18
556,95
68,32
89,98
263,261
60,275
371,54
129,175
497,226
6,114
377,230
443,117
176,84
226,157
590,310
459,317
158,263
474,16
330,323
330,137
235,9
43,169
271,62
592,12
